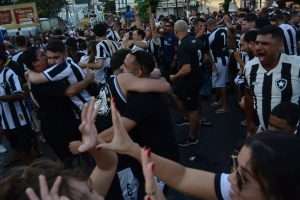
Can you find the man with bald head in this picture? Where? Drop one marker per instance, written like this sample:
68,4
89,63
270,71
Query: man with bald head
186,80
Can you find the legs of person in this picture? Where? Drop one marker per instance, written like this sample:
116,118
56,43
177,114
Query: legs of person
194,118
220,84
21,142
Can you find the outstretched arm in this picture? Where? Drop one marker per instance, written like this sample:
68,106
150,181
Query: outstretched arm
129,82
78,87
193,182
106,161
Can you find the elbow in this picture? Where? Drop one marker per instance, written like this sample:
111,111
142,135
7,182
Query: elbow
70,93
166,87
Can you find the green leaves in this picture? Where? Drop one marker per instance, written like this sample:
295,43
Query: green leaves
143,8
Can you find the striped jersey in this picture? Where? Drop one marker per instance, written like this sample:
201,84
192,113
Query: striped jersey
104,50
14,114
113,35
270,88
289,39
70,71
218,42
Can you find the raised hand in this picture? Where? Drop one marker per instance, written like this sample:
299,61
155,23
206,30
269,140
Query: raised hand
121,142
151,188
87,127
44,190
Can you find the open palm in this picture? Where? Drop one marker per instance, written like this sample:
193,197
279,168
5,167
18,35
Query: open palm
121,142
87,127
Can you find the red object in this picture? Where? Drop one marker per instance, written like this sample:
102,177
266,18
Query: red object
24,15
5,17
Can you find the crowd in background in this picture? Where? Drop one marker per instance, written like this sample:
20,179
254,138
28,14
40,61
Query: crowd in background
98,95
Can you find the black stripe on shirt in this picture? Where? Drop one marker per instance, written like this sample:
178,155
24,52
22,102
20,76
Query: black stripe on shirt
12,83
79,78
218,187
285,42
107,48
23,108
267,96
253,75
4,118
57,69
286,95
291,41
77,73
11,104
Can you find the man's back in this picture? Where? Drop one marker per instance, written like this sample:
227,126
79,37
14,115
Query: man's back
154,126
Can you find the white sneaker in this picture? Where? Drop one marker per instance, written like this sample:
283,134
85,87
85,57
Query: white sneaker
2,148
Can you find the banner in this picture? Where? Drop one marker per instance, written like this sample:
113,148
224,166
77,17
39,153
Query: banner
18,15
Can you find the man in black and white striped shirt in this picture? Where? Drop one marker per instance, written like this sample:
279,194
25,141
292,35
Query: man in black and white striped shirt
15,117
104,51
272,77
61,68
289,35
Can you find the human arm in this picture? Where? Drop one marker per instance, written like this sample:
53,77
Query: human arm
239,60
249,112
193,182
97,65
142,44
129,82
138,21
106,161
183,71
151,188
78,87
13,97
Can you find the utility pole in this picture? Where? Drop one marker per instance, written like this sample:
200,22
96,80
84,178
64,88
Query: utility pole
176,7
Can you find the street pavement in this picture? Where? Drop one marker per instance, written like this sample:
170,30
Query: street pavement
212,153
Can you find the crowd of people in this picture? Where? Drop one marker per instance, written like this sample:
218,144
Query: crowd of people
103,99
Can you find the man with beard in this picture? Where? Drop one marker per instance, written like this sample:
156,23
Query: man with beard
272,78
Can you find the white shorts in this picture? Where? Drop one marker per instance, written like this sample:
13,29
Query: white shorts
220,78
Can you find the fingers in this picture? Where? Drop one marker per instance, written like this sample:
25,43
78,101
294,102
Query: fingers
74,147
43,186
90,110
84,147
84,112
31,194
55,188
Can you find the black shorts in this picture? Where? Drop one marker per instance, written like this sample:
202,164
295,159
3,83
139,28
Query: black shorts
21,139
189,98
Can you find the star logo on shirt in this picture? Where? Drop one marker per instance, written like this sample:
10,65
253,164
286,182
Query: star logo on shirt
281,84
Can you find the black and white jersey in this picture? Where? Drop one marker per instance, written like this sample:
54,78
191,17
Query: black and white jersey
14,114
238,40
18,58
135,48
104,51
245,58
154,44
270,88
289,39
73,74
218,42
112,35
